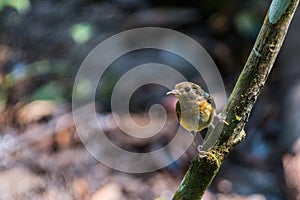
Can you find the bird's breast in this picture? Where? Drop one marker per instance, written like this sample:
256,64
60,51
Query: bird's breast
195,115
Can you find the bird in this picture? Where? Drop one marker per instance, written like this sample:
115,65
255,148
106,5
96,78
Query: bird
195,108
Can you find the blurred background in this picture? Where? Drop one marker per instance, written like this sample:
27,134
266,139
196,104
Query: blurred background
42,44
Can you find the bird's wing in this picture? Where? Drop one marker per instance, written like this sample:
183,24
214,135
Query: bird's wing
178,110
210,100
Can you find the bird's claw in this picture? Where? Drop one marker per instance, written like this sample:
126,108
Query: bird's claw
201,152
221,118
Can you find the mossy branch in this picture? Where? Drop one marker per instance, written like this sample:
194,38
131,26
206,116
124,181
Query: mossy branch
240,103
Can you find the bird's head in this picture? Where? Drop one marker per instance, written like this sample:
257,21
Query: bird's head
187,91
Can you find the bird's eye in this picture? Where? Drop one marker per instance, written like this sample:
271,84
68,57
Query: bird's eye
187,89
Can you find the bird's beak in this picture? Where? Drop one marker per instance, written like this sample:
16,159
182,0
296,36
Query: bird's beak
172,92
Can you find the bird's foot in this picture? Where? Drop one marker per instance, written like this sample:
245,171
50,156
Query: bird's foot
201,153
221,118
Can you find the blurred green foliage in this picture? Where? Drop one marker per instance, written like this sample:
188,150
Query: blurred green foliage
247,23
20,5
50,91
81,32
46,80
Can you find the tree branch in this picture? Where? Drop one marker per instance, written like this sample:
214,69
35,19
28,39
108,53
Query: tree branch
240,103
